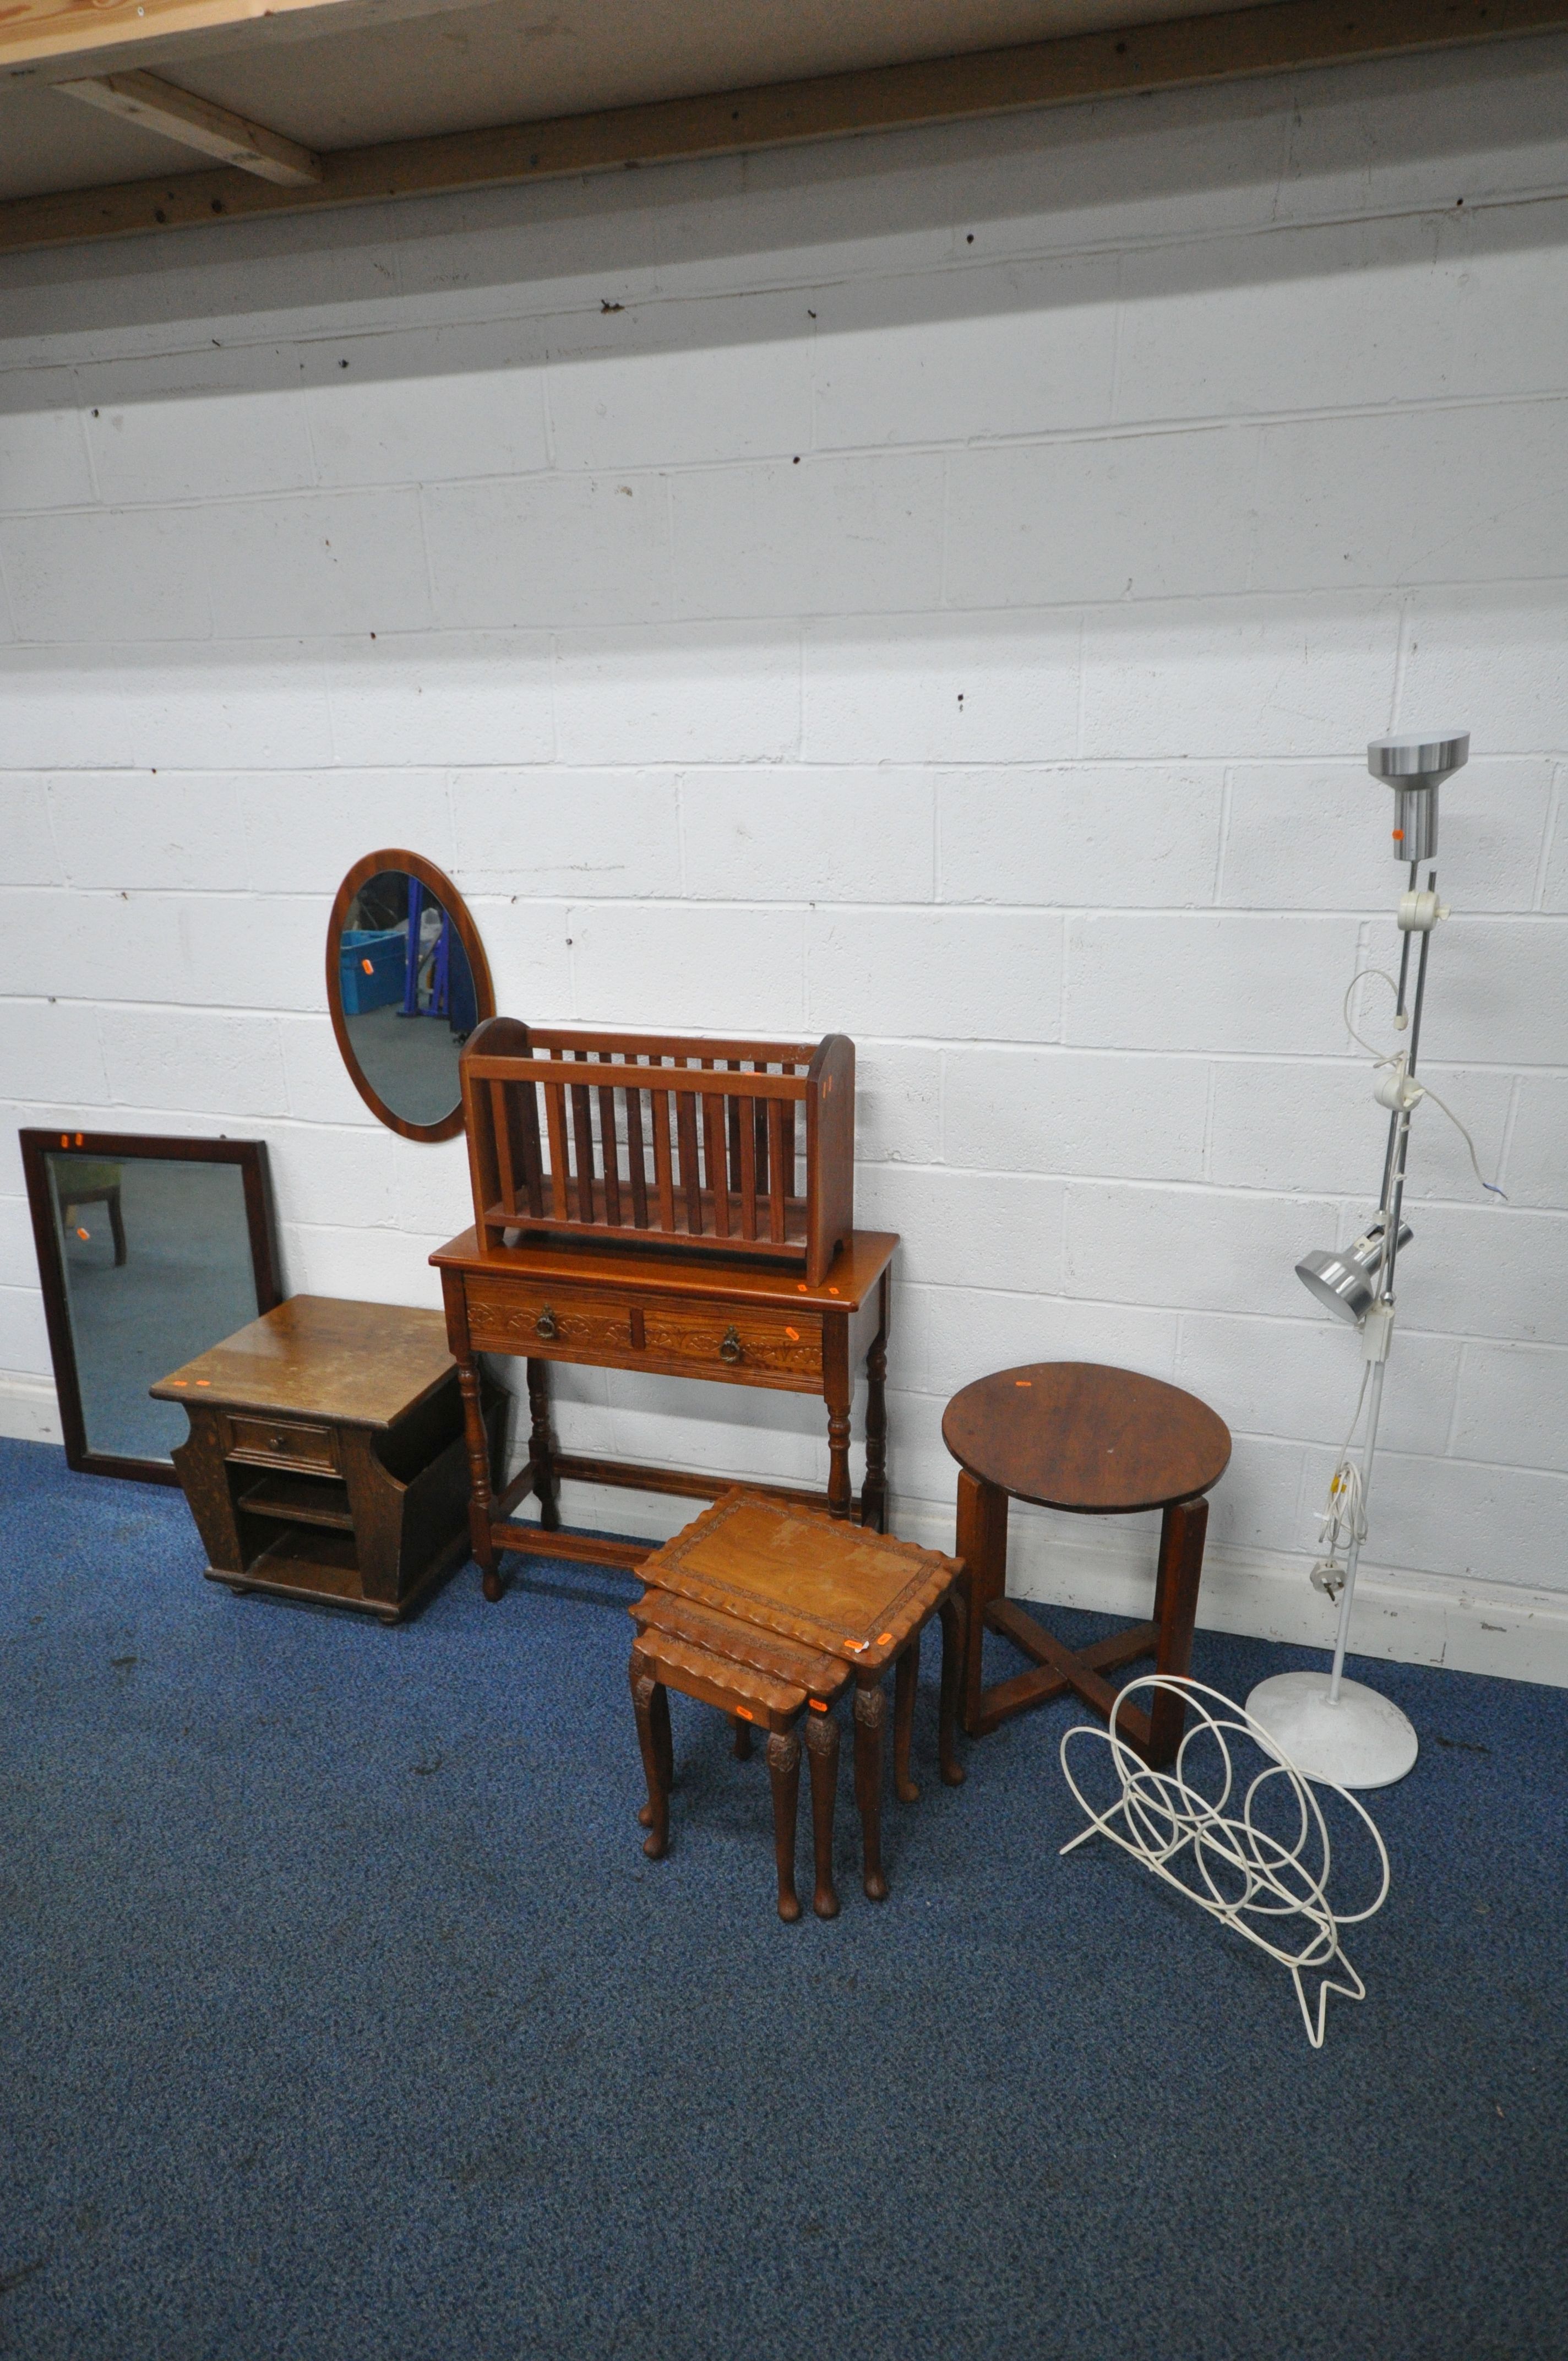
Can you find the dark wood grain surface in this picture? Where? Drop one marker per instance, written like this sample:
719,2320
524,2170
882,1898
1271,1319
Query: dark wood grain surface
827,1585
854,1273
348,1362
1074,1434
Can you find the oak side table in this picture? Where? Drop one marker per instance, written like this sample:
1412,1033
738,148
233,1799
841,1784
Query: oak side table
1097,1441
326,1456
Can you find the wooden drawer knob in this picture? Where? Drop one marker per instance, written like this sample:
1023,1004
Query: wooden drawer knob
545,1324
730,1349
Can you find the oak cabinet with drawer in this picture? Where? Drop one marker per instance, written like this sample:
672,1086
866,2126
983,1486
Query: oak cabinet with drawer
326,1458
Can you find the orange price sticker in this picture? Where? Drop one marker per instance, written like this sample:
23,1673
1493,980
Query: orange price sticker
883,1638
1022,1381
368,966
84,1234
794,1336
745,1714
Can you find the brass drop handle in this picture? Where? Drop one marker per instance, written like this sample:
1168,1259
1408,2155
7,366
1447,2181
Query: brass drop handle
545,1324
730,1349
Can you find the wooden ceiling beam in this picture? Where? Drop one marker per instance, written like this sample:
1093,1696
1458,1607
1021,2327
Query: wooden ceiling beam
34,32
1284,37
197,123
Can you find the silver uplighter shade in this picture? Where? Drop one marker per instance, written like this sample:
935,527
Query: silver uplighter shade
1415,766
1344,1280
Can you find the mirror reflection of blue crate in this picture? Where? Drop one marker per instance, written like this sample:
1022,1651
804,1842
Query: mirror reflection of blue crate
374,967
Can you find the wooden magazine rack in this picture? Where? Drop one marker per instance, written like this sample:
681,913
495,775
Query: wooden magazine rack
626,1139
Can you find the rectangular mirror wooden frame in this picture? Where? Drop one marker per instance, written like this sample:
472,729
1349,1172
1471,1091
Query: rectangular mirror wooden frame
251,1155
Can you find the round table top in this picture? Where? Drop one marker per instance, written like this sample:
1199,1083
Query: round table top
1074,1434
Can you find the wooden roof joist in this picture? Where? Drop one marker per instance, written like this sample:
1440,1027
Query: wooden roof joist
1285,37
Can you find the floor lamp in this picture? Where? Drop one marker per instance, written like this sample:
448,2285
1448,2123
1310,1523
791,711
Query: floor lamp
1330,1727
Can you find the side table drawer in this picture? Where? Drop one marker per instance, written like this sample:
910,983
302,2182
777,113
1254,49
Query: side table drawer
621,1328
550,1323
709,1340
279,1442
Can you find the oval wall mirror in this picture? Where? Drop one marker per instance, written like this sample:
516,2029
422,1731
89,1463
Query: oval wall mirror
407,982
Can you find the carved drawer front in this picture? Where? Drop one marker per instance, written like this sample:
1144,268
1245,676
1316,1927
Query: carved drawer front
558,1323
717,1341
279,1441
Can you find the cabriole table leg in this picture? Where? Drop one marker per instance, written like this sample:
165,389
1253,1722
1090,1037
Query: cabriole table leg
784,1769
655,1815
870,1715
822,1751
906,1680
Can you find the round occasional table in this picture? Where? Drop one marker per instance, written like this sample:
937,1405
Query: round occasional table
1099,1443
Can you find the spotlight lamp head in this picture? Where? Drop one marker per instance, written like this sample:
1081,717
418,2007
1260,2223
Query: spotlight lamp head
1415,764
1344,1280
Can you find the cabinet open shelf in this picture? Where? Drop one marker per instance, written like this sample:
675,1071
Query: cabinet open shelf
301,1500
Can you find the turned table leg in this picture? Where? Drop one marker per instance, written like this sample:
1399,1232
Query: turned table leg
870,1714
836,1393
822,1751
541,1450
1182,1529
952,1614
906,1680
646,1692
874,1491
784,1769
981,1543
480,1499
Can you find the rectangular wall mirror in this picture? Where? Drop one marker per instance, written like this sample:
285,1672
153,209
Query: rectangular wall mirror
149,1250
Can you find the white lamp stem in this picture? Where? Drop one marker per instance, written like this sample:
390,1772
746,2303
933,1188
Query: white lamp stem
1353,1557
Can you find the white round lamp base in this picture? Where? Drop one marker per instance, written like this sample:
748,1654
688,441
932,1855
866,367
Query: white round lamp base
1363,1740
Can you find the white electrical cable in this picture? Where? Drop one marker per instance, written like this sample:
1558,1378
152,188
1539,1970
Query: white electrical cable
1238,1873
1344,1521
1384,1061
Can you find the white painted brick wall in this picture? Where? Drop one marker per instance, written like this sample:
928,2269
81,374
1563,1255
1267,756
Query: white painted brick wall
933,588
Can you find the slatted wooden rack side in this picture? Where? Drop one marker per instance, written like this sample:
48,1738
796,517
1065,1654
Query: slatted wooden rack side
698,1141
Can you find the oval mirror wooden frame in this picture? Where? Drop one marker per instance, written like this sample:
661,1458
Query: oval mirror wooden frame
436,882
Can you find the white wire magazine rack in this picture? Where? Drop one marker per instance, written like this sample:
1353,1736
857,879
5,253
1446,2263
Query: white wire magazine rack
1239,1872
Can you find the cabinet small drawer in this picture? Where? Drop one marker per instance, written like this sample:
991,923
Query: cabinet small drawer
280,1443
709,1340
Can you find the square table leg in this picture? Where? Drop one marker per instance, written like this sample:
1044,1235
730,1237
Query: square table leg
1182,1529
982,1543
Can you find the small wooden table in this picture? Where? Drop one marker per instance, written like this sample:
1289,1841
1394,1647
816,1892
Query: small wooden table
678,1314
326,1456
858,1597
1099,1443
761,1681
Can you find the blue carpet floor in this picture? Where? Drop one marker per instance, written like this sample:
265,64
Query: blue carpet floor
341,2015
